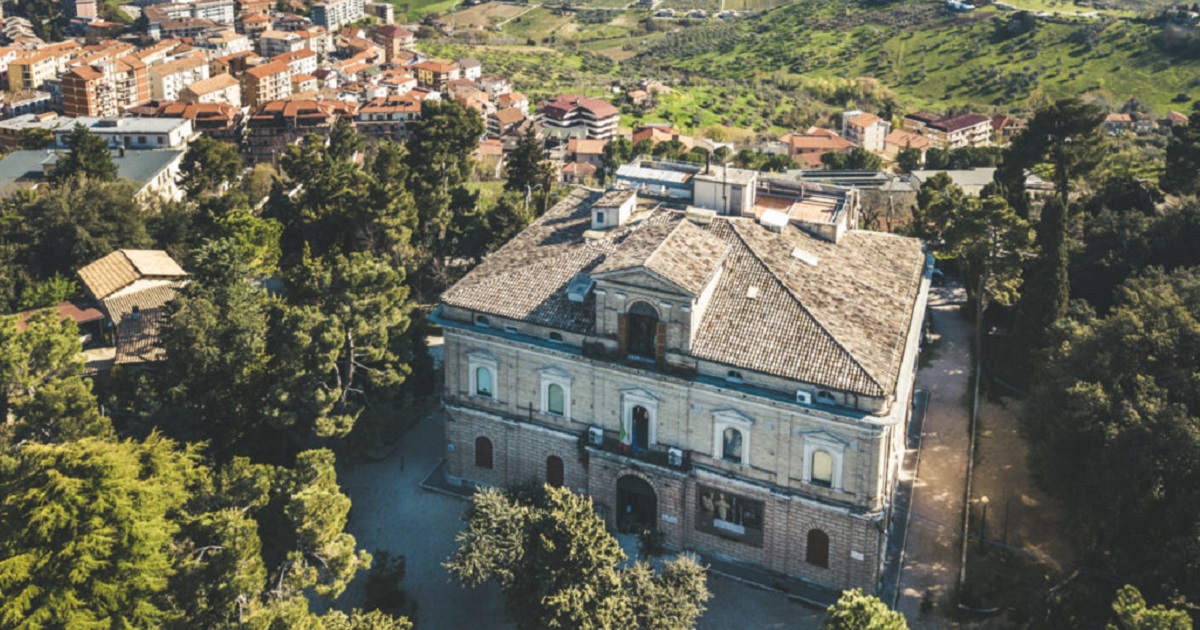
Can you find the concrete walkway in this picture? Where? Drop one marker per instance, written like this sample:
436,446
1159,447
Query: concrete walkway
931,554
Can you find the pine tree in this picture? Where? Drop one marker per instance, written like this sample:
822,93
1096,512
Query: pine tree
88,155
208,166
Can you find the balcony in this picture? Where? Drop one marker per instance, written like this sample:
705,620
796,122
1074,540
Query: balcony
656,455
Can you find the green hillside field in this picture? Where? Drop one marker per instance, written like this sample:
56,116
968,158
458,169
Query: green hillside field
932,59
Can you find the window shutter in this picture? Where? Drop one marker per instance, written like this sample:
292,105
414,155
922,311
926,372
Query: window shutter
660,342
622,335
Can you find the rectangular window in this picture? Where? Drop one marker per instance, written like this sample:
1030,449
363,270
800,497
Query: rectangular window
729,516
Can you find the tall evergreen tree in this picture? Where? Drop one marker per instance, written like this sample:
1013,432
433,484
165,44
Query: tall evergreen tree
208,166
1047,287
1067,135
1182,174
526,166
88,155
439,159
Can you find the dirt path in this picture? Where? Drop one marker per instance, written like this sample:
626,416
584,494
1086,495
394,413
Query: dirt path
931,555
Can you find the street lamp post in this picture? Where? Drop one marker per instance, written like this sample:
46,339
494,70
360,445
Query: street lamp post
983,521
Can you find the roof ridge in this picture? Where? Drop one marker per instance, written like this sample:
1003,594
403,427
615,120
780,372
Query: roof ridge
823,326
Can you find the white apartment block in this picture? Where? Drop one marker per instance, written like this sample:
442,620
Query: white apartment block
167,79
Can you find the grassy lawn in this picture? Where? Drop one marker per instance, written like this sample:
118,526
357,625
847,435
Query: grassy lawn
417,9
1066,6
540,25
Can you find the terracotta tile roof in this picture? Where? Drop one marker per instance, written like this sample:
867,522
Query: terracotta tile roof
268,69
87,73
508,116
179,65
78,311
1176,117
902,139
123,267
215,83
841,323
960,122
137,339
864,120
586,146
677,251
143,295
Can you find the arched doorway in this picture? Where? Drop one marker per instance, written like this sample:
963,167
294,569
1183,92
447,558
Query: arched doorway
637,504
554,471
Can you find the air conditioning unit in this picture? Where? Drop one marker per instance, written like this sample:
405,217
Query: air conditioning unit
803,397
675,457
595,436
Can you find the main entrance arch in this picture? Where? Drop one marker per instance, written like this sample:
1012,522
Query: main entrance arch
637,504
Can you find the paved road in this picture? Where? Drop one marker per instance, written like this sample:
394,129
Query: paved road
392,512
933,546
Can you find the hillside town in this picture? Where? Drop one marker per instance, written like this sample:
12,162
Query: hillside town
292,292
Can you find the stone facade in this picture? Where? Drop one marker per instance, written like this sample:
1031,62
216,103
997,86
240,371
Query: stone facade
738,464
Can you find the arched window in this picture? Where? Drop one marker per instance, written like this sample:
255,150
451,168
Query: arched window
817,550
555,399
480,320
733,376
483,382
731,446
641,324
556,337
483,452
826,398
822,469
554,471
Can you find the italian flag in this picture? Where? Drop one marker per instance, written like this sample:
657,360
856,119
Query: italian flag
626,438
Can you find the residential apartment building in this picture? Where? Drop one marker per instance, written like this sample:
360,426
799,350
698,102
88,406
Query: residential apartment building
275,43
302,61
220,121
865,130
268,82
225,43
106,89
387,117
332,15
953,132
394,40
219,11
574,115
435,73
278,124
167,79
29,71
741,385
133,133
221,88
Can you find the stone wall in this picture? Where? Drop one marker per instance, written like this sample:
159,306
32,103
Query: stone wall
521,449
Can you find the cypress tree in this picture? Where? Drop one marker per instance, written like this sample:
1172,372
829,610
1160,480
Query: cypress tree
1048,286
